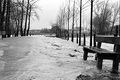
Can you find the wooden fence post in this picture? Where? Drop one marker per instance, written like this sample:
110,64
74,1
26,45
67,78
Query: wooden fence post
84,42
94,40
77,38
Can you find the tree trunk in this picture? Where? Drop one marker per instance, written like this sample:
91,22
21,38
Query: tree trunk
80,22
26,18
17,24
29,21
3,18
17,28
0,15
7,24
73,22
91,23
68,18
22,14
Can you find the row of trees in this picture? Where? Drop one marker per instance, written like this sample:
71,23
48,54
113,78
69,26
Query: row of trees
60,32
15,17
105,16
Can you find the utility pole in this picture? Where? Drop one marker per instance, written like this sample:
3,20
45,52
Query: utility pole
73,22
68,17
80,22
91,23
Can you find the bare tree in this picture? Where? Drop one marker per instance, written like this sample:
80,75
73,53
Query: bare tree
61,20
73,22
29,8
29,20
80,22
0,13
26,18
102,18
12,14
22,14
2,18
15,18
115,14
68,17
7,23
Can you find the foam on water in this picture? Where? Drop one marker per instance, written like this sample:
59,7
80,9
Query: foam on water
1,62
1,52
3,44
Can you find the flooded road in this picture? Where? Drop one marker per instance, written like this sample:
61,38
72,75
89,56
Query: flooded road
40,57
44,58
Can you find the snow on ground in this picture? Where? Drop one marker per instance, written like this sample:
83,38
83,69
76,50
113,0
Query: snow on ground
46,58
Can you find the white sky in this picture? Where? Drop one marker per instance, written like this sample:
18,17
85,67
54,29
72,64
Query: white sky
48,13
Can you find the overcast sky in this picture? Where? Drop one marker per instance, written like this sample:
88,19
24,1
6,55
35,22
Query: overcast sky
48,13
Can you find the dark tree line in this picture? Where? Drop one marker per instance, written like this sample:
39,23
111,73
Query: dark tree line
106,17
15,16
103,18
58,31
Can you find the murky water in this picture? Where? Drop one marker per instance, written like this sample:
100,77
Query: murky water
43,58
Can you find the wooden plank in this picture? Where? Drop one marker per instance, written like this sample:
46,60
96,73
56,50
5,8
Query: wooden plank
115,66
108,39
99,50
99,61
